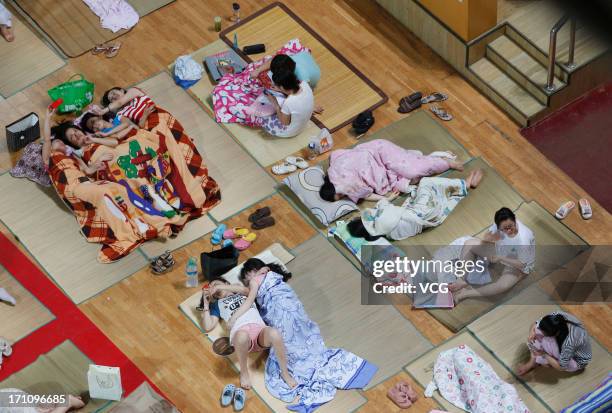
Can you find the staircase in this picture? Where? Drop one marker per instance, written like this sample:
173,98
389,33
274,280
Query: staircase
510,65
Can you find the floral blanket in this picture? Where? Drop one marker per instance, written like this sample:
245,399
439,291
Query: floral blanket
235,93
154,186
471,384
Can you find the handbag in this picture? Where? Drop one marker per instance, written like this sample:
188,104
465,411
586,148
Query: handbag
76,94
104,382
363,122
22,132
218,262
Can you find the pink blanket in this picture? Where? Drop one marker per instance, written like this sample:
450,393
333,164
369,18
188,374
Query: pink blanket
235,93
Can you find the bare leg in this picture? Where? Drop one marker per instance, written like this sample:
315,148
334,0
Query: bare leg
455,165
474,178
74,403
527,367
242,343
508,279
472,248
271,337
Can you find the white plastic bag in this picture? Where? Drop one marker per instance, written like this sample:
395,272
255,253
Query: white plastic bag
185,68
104,382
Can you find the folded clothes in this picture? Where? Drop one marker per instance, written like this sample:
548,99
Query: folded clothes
114,14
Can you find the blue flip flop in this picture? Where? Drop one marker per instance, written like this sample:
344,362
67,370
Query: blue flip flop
217,234
227,242
239,399
227,395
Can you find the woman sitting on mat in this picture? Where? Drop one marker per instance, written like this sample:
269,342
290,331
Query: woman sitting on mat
428,206
306,71
318,370
106,126
372,169
509,242
132,103
73,403
248,332
558,340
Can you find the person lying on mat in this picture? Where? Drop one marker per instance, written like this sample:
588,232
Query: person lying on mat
248,332
558,340
371,170
106,126
302,64
74,403
428,206
318,370
508,242
6,24
59,144
132,103
293,104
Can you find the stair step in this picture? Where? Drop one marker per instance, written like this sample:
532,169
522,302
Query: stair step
507,89
522,67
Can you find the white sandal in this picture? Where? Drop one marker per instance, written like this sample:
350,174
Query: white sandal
283,168
585,208
564,209
297,161
441,113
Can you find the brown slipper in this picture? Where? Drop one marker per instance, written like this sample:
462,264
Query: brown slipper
99,49
407,106
264,222
259,214
113,50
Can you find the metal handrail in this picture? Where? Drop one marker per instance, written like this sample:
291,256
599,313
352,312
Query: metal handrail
552,50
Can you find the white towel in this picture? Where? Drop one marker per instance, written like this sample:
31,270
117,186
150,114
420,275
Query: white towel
114,14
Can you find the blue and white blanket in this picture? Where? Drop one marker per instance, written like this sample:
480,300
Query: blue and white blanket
318,370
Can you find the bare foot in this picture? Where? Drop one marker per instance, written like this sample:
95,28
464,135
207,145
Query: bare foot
245,380
7,33
75,402
474,178
457,285
459,296
288,378
525,368
455,165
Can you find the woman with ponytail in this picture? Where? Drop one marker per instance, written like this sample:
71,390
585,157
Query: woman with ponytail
558,340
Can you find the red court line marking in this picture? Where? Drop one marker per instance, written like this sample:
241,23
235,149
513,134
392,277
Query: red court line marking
70,324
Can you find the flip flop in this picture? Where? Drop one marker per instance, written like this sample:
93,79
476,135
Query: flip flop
245,241
297,161
407,106
564,209
259,214
113,50
283,168
585,208
227,395
235,232
100,48
413,96
239,399
434,97
227,242
217,234
264,222
441,113
399,398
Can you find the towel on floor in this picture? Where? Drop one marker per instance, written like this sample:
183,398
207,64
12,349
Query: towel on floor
114,14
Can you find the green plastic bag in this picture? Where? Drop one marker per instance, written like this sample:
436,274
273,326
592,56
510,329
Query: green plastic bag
76,94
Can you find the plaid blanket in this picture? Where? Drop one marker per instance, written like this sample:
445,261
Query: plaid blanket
94,204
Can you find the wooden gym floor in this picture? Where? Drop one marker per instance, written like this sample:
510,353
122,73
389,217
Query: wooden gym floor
140,314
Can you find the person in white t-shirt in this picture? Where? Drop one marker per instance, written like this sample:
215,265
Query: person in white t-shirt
294,111
509,242
248,332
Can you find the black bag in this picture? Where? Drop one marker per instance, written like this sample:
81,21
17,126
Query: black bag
22,132
363,122
218,262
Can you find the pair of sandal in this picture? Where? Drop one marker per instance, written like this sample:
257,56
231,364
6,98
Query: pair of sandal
261,218
403,394
416,100
291,164
241,237
586,212
234,395
162,264
110,50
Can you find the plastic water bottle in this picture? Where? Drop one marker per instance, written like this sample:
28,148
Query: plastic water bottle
191,270
312,151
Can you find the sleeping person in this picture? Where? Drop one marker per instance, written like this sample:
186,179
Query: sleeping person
428,206
133,104
371,170
248,332
105,126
